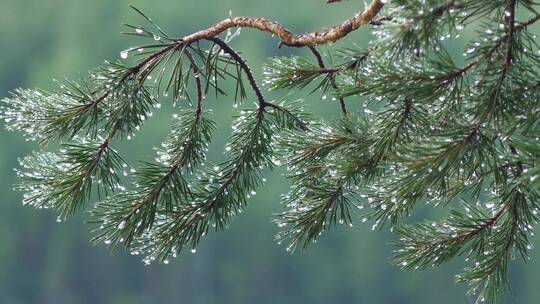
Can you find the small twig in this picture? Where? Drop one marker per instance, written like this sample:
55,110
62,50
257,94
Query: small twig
197,76
243,64
320,61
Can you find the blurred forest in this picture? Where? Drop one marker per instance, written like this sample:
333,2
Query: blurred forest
42,261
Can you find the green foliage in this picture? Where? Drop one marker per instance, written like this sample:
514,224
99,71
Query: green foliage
64,180
429,131
48,116
159,185
325,166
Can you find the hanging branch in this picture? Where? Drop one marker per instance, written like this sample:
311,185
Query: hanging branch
428,131
65,180
161,185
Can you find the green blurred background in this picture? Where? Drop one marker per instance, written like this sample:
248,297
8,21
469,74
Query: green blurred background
42,261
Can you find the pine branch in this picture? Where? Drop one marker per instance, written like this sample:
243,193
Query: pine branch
64,181
428,131
160,186
221,192
323,193
287,37
243,64
320,61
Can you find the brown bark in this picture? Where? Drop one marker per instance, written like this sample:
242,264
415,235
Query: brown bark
287,37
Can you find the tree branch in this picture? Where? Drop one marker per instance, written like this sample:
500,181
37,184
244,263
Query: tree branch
329,35
243,64
320,61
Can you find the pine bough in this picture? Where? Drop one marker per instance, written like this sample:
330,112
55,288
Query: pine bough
429,131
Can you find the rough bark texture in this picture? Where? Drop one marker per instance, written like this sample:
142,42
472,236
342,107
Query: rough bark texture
287,37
